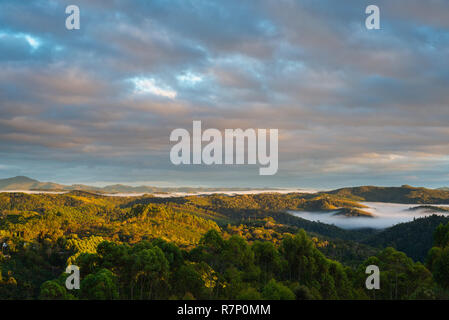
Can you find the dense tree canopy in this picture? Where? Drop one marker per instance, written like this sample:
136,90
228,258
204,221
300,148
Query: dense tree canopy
211,247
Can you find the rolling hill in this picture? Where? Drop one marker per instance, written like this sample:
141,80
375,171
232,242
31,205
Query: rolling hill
25,183
415,238
21,183
403,194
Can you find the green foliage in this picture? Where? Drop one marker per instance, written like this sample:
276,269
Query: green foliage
277,291
187,280
403,194
414,238
438,258
267,257
400,277
441,236
215,268
52,290
39,217
173,248
249,294
101,285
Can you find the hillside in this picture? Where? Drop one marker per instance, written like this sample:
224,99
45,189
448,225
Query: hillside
25,183
226,244
404,194
415,238
330,200
271,201
352,212
34,217
430,209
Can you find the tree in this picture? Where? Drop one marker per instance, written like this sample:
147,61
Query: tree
236,252
441,236
440,268
400,277
101,285
187,280
305,263
277,291
150,269
213,241
249,294
171,252
52,290
438,257
303,293
267,257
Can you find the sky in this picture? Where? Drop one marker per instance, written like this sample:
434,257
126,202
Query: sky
353,106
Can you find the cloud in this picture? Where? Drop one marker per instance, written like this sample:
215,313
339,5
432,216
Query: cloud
148,85
352,106
189,78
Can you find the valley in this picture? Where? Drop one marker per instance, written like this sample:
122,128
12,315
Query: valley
246,245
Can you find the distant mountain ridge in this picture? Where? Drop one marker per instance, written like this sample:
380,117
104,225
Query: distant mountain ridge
22,183
404,194
25,183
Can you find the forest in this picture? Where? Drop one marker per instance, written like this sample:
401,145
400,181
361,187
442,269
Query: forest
216,247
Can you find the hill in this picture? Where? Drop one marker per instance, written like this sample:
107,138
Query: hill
430,209
21,183
403,194
330,200
415,238
25,183
352,212
44,232
32,217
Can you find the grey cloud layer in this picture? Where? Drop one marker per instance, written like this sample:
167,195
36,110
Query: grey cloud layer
353,106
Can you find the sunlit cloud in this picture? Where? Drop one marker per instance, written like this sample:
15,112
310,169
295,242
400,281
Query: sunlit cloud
189,78
32,41
148,86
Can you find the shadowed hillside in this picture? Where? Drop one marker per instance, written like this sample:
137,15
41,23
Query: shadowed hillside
415,238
